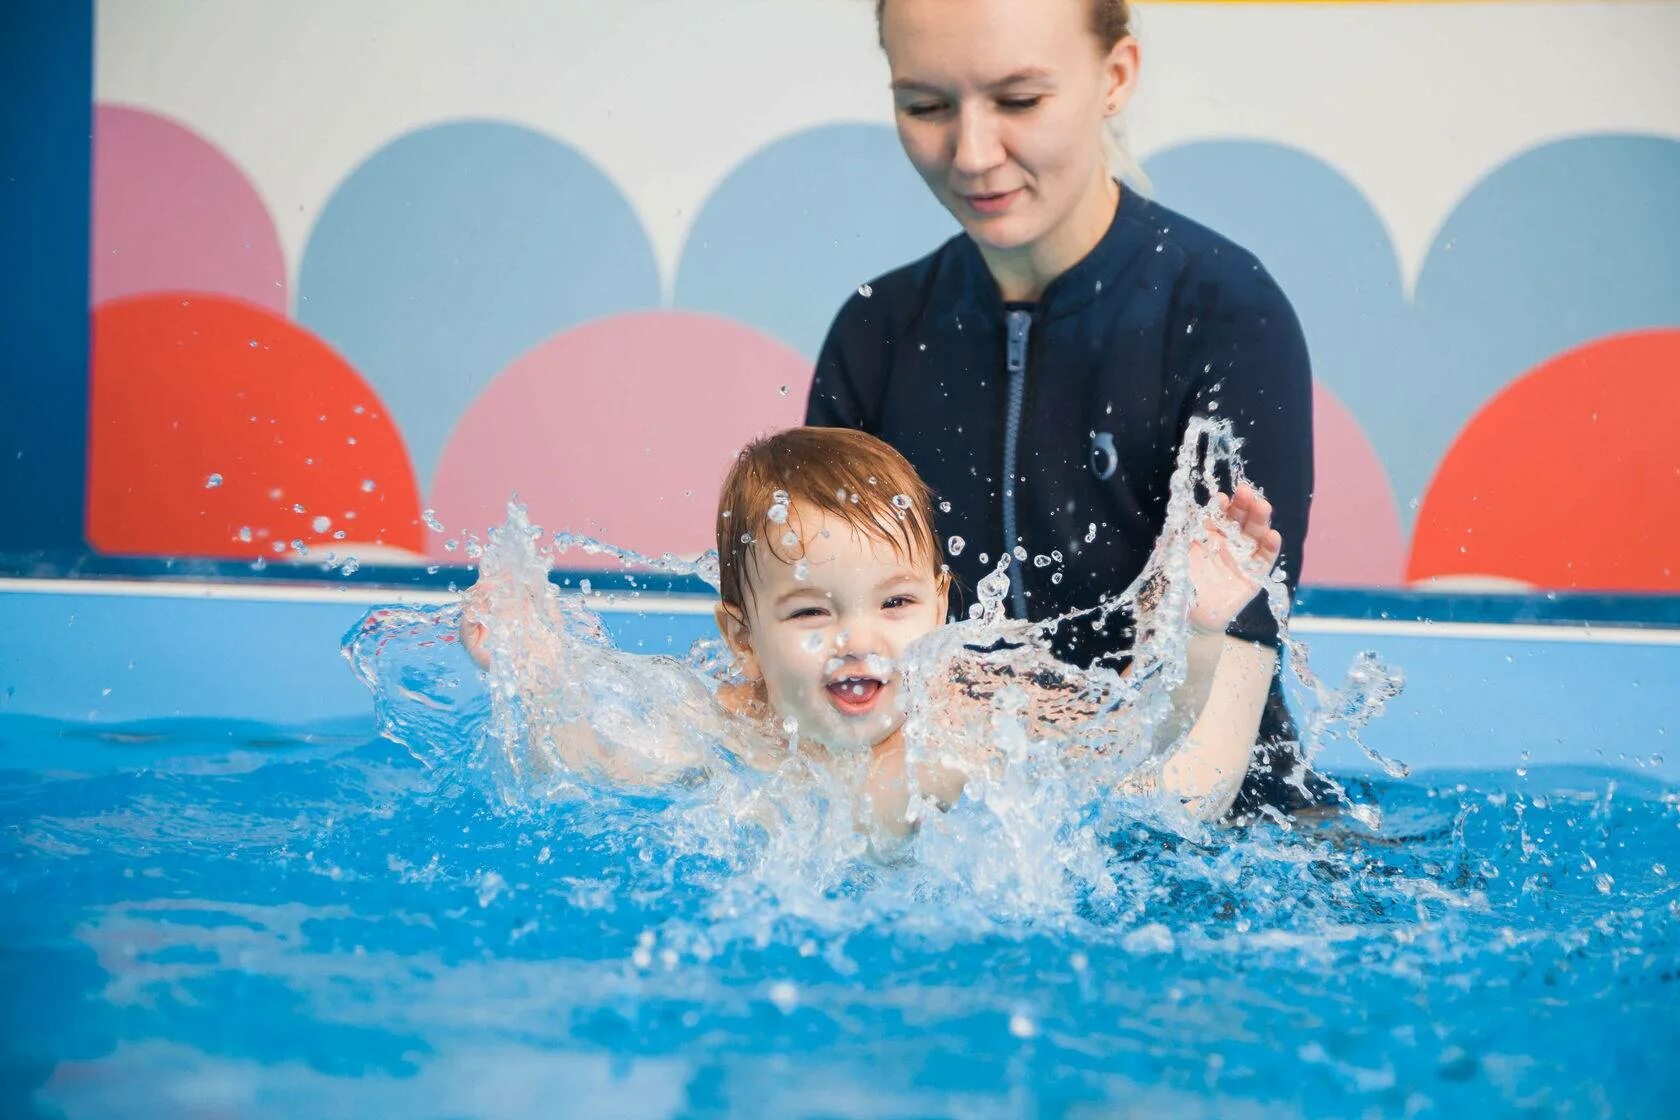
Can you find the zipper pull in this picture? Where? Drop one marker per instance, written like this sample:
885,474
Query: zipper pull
1015,359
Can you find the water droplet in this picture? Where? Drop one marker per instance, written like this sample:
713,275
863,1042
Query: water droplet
785,996
901,501
254,344
944,507
790,539
430,517
367,485
351,566
297,507
212,482
339,535
1019,552
955,545
451,545
778,514
865,291
985,559
245,533
300,548
1021,1026
321,523
812,643
1055,577
783,390
1091,532
802,570
1041,561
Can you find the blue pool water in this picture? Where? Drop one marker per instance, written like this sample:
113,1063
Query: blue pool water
226,917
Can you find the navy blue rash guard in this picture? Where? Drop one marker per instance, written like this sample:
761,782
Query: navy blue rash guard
1083,398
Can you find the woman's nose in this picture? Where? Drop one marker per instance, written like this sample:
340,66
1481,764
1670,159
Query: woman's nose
978,148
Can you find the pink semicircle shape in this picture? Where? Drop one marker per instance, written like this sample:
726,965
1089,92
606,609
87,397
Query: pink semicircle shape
1354,537
620,429
172,212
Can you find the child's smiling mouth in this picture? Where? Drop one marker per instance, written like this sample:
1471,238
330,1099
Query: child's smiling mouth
855,696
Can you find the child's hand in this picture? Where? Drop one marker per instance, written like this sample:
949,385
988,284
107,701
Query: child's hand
472,630
1223,582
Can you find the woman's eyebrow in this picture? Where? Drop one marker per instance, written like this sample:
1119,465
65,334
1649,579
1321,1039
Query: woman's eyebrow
1026,74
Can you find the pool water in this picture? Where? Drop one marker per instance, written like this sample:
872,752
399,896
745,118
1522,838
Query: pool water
213,918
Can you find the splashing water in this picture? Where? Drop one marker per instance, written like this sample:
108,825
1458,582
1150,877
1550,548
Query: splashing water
570,719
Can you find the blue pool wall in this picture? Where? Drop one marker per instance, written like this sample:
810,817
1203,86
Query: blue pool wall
1478,695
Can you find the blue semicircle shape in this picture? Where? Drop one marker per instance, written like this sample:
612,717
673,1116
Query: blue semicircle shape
1325,245
454,249
1568,242
796,227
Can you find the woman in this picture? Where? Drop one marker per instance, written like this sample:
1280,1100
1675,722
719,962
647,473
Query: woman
1040,368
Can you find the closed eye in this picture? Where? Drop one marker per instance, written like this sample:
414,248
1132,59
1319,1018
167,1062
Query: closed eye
1019,104
924,108
808,612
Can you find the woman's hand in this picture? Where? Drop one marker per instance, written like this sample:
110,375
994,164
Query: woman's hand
1223,581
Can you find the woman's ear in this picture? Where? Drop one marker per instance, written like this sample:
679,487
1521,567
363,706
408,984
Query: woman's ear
1120,75
732,624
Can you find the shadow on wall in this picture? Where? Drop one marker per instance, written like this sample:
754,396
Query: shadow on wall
488,300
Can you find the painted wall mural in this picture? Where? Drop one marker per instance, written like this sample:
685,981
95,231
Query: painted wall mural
478,312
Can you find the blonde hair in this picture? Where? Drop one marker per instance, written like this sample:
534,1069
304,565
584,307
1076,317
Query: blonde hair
849,475
1110,22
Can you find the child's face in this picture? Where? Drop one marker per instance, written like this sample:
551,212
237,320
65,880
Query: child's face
822,628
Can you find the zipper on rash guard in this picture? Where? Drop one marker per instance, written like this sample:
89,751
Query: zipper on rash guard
1015,362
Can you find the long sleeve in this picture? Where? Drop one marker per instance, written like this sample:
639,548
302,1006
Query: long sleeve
847,384
1245,360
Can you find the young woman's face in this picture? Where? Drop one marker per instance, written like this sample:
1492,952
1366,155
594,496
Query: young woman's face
1000,106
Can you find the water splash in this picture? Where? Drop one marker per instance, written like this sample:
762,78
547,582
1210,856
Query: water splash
1055,760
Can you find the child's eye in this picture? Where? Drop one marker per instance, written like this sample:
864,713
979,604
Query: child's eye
808,612
898,601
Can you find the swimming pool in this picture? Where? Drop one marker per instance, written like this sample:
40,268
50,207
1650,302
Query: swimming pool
225,896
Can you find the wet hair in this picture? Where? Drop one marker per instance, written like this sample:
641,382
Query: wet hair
848,475
1111,21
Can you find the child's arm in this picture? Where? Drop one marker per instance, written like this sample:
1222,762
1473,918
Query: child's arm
1206,770
1216,710
564,700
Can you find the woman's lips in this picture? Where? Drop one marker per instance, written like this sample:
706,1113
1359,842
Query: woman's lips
854,696
989,204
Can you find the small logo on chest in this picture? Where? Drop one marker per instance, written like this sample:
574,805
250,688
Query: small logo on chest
1104,459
